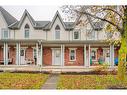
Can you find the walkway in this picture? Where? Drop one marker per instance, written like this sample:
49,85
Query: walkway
51,83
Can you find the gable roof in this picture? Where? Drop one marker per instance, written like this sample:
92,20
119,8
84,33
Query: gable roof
26,13
46,25
66,25
7,16
54,18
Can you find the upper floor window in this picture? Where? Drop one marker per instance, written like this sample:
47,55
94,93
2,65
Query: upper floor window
5,33
27,29
76,35
57,32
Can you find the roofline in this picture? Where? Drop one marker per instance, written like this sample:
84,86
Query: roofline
4,18
54,18
22,18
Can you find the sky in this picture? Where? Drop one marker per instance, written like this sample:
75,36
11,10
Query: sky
45,12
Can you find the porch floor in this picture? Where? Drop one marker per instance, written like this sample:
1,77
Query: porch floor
50,69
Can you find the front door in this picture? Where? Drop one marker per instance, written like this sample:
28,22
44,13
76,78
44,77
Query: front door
107,55
57,57
22,56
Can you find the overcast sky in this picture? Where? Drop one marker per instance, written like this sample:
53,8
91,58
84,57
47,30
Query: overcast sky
37,12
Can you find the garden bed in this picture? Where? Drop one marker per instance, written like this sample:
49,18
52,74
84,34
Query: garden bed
90,73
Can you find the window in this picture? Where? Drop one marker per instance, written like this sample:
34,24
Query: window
5,33
93,54
76,35
57,32
26,31
72,54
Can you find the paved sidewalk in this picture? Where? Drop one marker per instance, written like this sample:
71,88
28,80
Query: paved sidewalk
51,83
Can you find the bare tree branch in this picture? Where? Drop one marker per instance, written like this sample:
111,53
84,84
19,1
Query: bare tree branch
103,19
112,11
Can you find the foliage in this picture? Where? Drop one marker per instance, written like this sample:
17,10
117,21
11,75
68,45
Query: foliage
89,82
22,80
115,18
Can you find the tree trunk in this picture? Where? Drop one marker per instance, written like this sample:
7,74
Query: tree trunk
123,49
122,60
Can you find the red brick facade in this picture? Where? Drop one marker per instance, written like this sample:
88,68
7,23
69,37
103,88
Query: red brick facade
47,56
12,54
79,57
1,53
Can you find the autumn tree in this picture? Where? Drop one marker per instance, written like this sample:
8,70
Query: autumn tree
115,18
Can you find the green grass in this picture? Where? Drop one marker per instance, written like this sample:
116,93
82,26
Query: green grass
22,80
89,82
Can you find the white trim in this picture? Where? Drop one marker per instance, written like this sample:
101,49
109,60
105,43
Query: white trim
37,52
89,55
4,50
61,55
74,53
17,53
85,64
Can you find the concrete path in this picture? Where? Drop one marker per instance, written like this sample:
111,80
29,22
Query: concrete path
51,83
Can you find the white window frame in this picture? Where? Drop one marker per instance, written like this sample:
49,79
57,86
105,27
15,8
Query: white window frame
70,54
55,35
28,30
95,49
3,35
78,31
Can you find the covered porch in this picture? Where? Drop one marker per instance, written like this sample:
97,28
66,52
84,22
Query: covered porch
57,54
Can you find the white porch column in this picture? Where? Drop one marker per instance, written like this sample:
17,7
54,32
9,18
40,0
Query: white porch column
61,55
112,56
85,62
4,49
41,55
37,53
89,56
6,53
17,53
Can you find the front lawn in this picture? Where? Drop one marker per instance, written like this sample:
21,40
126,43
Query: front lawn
90,82
22,80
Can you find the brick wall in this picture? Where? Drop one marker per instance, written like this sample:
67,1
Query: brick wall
1,53
47,56
79,57
29,53
12,54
